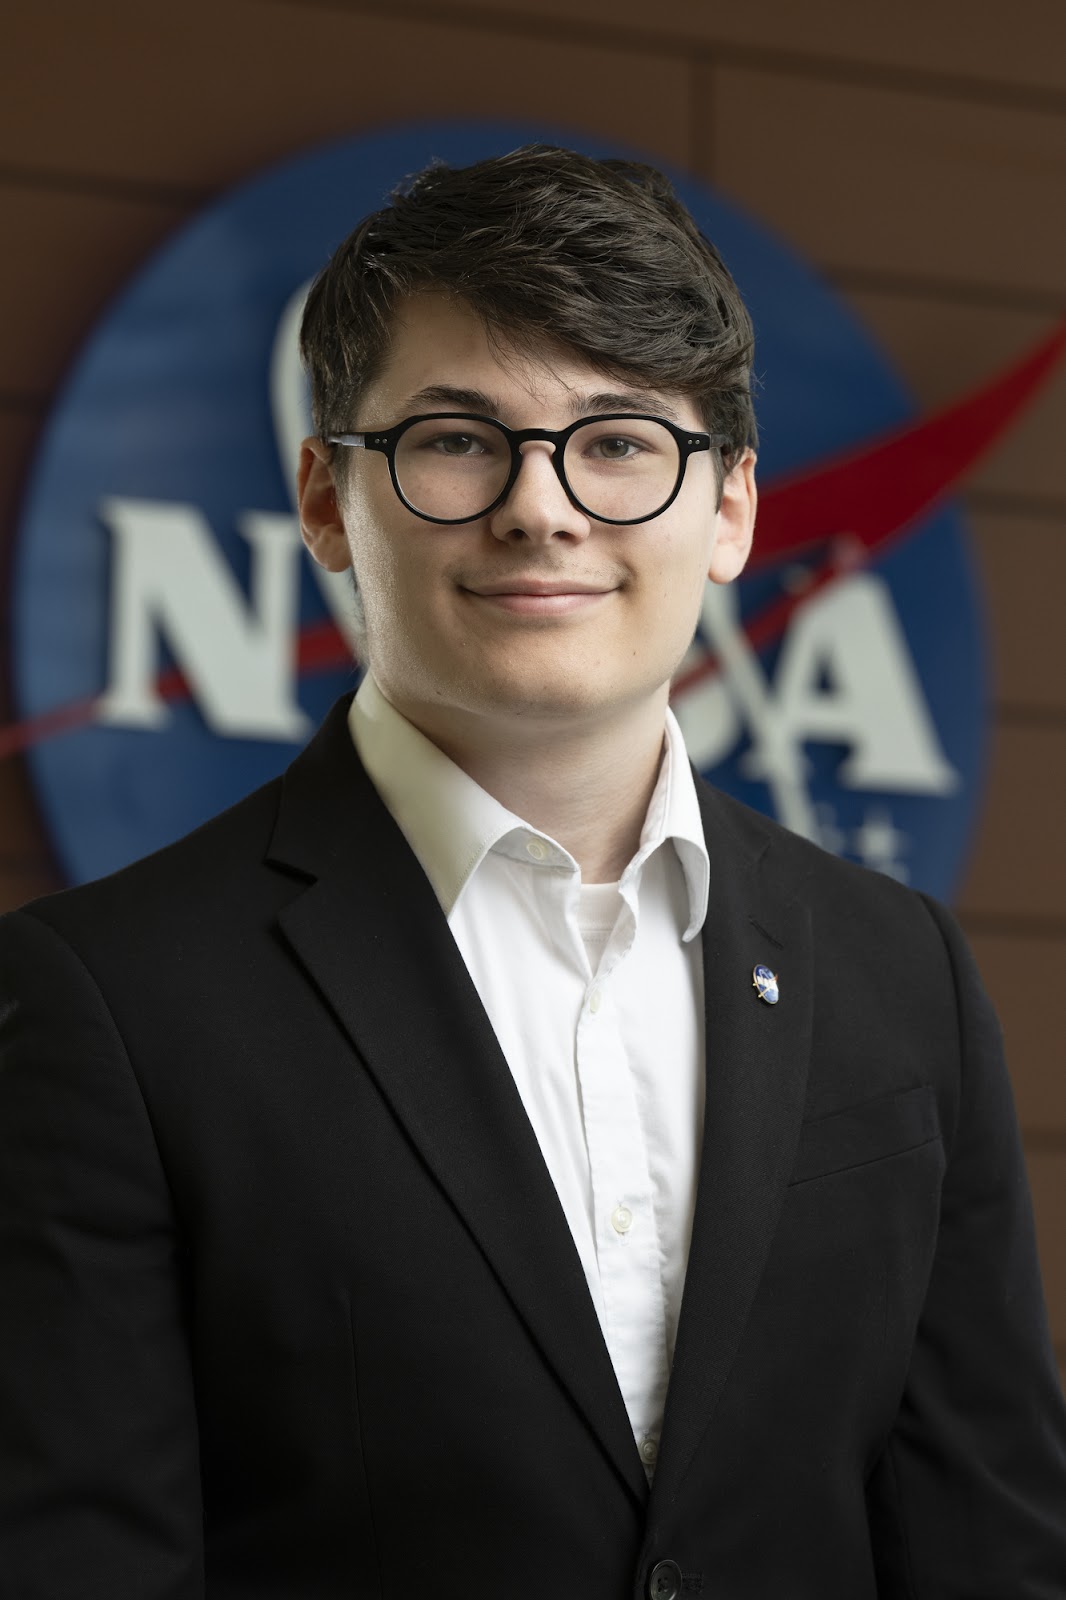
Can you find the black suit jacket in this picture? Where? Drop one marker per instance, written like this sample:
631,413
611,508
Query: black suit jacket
290,1307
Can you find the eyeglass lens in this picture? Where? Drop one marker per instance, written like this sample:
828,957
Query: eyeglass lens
618,470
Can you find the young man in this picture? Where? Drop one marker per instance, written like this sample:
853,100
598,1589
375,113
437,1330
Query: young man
486,1161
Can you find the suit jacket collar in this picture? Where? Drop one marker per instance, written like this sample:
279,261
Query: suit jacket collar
757,1063
371,935
451,823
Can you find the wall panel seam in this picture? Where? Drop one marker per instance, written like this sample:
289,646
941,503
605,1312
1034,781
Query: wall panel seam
1013,925
915,286
627,37
132,191
1005,502
24,402
1016,714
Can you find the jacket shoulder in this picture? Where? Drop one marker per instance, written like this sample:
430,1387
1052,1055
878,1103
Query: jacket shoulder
218,866
805,871
187,877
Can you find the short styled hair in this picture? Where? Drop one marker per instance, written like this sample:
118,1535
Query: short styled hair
546,246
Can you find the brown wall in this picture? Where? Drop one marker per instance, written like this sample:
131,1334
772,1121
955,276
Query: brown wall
917,155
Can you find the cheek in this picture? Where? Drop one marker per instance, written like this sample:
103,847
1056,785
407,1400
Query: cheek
375,546
401,586
681,573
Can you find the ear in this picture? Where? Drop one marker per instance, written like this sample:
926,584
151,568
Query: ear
320,517
735,521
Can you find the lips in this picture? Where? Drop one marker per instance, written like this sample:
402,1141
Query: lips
536,587
538,597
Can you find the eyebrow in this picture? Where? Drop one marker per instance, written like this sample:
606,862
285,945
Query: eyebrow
631,400
444,394
582,405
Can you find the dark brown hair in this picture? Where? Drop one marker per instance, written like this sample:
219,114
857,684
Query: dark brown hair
546,245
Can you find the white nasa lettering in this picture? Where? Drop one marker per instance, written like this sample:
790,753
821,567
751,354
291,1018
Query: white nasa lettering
712,731
845,676
237,655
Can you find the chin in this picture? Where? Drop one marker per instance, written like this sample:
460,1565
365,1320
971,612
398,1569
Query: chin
571,696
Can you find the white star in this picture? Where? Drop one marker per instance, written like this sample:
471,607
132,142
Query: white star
878,843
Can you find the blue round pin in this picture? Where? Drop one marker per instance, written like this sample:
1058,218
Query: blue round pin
765,984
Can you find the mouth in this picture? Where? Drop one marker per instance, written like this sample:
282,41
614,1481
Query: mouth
538,597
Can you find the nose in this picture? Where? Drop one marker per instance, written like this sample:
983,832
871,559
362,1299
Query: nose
538,508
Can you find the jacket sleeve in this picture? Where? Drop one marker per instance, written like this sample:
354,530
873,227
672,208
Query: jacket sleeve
99,1473
968,1501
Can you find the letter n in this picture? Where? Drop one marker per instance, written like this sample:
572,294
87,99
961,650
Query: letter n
171,581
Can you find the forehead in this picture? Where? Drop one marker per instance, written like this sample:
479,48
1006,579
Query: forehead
438,343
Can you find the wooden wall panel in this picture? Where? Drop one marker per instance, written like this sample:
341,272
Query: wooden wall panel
22,881
1022,560
996,47
1021,972
26,864
20,427
65,255
945,348
203,93
896,182
1019,866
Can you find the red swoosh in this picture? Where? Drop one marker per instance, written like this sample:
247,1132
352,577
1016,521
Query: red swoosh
873,495
877,493
883,487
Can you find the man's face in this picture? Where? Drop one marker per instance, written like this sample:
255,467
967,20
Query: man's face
534,611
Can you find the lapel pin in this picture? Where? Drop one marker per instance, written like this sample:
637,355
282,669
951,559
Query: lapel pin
765,984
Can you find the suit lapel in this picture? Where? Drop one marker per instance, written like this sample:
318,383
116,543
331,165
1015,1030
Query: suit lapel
370,933
757,1060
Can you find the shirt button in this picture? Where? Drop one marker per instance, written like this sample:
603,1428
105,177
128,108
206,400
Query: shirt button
621,1219
537,849
595,1001
649,1451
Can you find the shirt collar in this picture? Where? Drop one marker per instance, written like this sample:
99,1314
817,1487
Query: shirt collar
451,823
674,814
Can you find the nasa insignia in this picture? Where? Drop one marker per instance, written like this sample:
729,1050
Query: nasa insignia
765,985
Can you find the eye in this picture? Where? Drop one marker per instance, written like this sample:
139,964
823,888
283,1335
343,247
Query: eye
620,441
616,449
458,444
613,447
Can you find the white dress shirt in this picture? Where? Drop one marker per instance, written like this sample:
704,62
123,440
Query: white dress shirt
595,993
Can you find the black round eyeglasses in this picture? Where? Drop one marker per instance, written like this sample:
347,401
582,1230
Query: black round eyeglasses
455,466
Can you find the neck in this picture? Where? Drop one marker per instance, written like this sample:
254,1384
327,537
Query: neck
587,787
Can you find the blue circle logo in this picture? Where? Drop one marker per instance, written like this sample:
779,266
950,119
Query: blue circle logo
174,645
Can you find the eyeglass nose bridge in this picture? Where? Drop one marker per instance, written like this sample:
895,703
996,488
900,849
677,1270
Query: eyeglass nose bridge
516,438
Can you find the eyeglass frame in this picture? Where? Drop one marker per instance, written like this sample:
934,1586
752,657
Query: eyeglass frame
689,441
